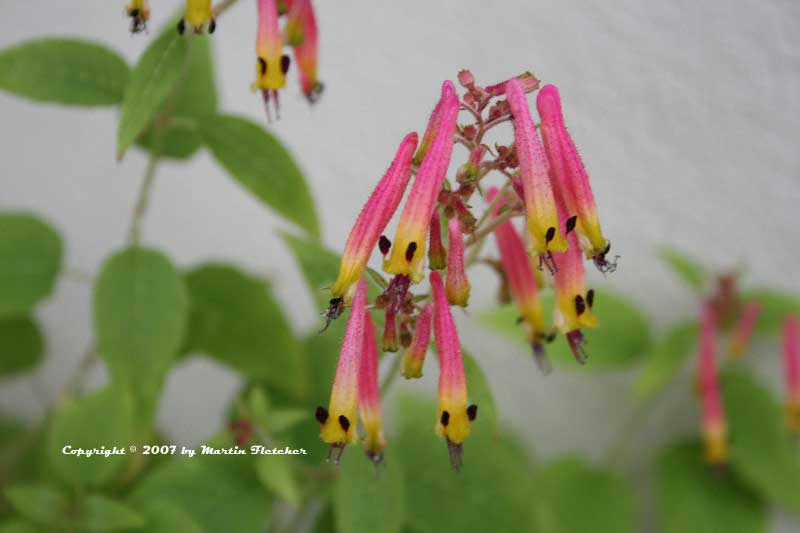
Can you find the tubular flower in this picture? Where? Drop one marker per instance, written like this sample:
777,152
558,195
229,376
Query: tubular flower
522,283
369,402
414,357
389,341
139,12
272,64
454,417
199,15
570,178
437,255
434,121
744,330
338,422
408,251
457,283
540,205
528,81
301,33
372,220
791,360
573,302
714,428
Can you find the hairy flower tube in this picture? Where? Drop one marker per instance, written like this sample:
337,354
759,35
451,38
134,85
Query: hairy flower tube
527,80
744,329
301,33
455,416
573,309
139,12
338,422
540,204
791,363
456,283
571,179
714,427
414,358
199,16
271,64
369,402
437,254
408,249
371,222
522,283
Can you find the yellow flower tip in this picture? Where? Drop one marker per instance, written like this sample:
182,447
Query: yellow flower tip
457,295
716,445
337,428
199,14
793,416
455,424
412,368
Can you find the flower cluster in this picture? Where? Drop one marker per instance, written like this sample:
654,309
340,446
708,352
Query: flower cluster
544,180
272,64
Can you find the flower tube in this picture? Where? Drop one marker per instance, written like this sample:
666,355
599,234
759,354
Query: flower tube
408,251
540,204
454,417
714,427
791,362
338,422
198,15
301,32
271,64
744,330
437,255
414,357
457,283
369,401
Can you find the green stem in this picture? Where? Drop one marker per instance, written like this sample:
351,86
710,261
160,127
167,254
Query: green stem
392,375
619,446
135,231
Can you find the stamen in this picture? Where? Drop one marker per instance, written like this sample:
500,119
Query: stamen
472,412
546,260
412,248
540,356
344,422
445,418
571,221
321,415
580,305
334,311
590,298
602,264
550,235
576,341
336,446
455,451
384,244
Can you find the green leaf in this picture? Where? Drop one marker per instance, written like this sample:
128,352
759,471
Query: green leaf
236,319
21,345
622,338
261,164
775,307
604,501
30,259
693,498
65,71
665,358
140,313
275,472
282,419
492,492
366,500
480,394
762,450
98,513
178,140
41,504
167,518
19,526
104,419
319,265
686,268
153,79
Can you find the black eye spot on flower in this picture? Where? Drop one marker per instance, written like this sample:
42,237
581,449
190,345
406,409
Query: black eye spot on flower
212,25
285,63
551,233
344,422
580,305
262,65
321,415
181,26
384,244
590,298
571,221
445,418
472,412
410,251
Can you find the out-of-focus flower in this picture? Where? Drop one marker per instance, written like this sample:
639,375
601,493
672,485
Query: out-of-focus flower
139,12
791,362
369,402
301,33
455,417
744,330
527,80
408,250
338,422
571,180
457,283
414,357
714,426
540,204
271,64
437,255
199,16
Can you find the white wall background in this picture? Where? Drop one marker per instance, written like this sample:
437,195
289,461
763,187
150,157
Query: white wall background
686,112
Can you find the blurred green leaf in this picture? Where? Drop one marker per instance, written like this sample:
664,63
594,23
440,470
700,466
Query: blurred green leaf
20,526
263,166
326,522
366,500
665,358
275,472
604,500
480,394
319,265
167,518
103,419
21,345
177,140
693,498
282,419
762,451
98,513
685,267
21,455
153,79
30,259
64,71
41,504
775,307
492,492
140,314
236,319
622,338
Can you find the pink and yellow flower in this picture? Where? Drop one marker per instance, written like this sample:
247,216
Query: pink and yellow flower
456,284
301,33
369,401
540,204
437,255
408,251
744,330
714,426
455,416
791,362
414,358
271,64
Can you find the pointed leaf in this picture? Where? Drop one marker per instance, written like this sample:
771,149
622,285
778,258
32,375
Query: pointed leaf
665,358
21,345
686,268
366,500
275,472
41,504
